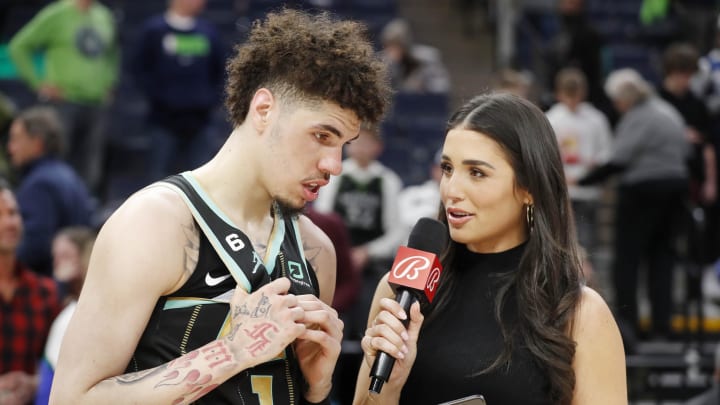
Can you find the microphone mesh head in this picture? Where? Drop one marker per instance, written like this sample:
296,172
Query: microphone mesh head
428,235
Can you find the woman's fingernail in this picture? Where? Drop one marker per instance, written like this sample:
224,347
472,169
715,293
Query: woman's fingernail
405,349
401,355
404,335
402,315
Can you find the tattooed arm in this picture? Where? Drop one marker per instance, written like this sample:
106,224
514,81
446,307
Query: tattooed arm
318,348
320,253
147,249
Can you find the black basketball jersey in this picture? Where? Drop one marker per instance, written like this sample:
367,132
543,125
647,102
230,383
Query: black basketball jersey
198,312
361,207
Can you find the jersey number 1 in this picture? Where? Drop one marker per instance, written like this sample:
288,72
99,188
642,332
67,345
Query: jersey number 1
262,387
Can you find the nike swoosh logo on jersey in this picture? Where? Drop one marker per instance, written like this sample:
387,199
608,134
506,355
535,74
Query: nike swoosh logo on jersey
213,281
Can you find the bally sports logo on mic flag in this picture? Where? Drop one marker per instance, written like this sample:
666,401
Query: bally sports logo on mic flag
417,270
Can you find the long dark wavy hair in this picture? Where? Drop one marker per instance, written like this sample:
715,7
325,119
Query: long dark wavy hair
547,285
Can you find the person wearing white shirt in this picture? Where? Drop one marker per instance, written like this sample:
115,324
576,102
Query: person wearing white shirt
421,200
585,141
365,195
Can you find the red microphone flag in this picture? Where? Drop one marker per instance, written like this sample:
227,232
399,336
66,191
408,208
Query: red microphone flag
416,270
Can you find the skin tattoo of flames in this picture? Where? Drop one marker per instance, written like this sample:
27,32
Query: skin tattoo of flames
197,382
182,371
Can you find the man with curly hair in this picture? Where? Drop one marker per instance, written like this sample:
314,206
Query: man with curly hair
209,286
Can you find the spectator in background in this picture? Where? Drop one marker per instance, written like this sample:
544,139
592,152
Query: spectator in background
706,85
585,141
579,44
413,67
71,251
7,112
649,154
28,304
51,195
706,81
470,13
365,196
78,41
679,65
515,82
179,64
8,109
71,255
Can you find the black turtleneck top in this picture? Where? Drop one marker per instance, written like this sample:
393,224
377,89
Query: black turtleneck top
465,338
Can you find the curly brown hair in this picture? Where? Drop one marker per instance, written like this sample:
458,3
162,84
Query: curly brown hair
308,58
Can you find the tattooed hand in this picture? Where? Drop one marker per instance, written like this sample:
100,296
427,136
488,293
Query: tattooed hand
264,322
318,348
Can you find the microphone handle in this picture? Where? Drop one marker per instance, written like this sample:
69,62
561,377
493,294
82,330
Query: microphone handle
383,364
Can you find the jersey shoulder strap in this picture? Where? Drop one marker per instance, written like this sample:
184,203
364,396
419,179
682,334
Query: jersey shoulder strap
231,244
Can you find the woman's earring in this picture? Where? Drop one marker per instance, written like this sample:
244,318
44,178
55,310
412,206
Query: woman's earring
530,216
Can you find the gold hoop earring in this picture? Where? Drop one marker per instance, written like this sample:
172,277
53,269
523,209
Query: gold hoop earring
530,216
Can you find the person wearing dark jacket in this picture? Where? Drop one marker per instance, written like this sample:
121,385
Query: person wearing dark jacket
649,156
179,64
51,195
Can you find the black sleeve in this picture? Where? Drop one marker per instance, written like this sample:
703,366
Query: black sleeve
600,173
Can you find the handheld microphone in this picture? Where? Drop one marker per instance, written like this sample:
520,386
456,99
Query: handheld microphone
414,275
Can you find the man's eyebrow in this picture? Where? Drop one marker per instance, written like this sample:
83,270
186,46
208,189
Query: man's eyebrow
330,128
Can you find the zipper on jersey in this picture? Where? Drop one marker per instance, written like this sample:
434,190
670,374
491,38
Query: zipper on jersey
289,350
283,265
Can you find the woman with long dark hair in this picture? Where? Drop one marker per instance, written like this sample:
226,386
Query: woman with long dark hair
512,320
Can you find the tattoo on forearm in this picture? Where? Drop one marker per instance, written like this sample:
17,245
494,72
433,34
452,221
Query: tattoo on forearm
132,378
173,368
197,392
181,371
217,353
191,248
194,380
260,335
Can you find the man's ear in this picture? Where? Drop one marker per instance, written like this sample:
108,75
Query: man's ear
262,103
38,146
